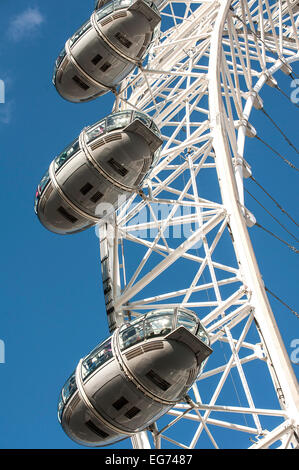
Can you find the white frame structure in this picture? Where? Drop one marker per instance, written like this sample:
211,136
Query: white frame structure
203,76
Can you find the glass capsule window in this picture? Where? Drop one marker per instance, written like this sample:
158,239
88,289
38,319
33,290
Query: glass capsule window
58,62
96,131
104,8
160,323
43,183
157,323
132,334
60,407
190,321
203,335
152,5
120,120
186,320
69,388
85,27
143,118
67,392
97,358
111,6
155,129
66,154
60,58
99,4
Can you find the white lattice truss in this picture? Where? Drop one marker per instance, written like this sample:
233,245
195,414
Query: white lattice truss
202,78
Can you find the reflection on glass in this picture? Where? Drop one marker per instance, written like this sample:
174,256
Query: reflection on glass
60,407
96,131
143,118
66,154
158,325
58,63
69,388
202,334
97,358
125,3
202,366
85,27
132,334
152,5
117,4
105,10
190,323
60,57
155,128
118,120
43,183
154,324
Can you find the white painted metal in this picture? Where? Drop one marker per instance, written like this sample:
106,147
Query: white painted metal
185,235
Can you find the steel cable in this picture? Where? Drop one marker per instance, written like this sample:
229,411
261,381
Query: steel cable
281,301
286,95
278,238
279,130
274,200
277,153
272,216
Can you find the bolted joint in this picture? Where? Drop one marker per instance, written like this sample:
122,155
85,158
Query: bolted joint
250,220
249,129
246,168
286,68
259,351
270,80
249,217
257,100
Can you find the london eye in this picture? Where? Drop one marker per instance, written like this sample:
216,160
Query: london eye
163,177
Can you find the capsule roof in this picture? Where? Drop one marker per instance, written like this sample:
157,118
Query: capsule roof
100,3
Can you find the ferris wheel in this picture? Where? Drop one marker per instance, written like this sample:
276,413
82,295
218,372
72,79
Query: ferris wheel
179,241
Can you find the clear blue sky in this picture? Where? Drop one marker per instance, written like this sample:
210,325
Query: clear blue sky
52,308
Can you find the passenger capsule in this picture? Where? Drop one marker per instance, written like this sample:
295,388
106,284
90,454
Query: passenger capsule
105,49
108,160
134,377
